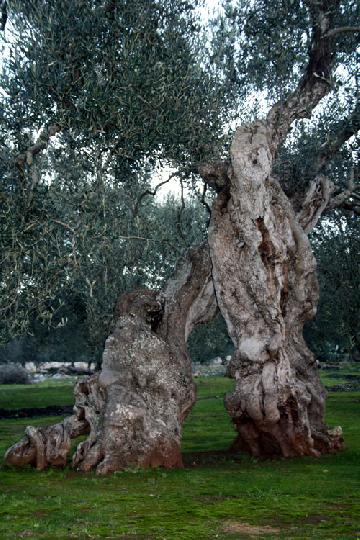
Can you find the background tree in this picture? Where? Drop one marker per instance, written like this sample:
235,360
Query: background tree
336,326
113,92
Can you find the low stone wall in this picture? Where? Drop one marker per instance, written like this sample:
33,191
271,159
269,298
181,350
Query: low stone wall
58,370
215,367
44,367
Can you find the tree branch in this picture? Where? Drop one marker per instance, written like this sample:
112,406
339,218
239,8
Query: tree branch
157,187
341,133
315,202
27,157
348,199
315,82
321,197
341,30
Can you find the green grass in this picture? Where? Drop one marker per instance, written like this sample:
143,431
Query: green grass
212,498
60,392
333,377
19,396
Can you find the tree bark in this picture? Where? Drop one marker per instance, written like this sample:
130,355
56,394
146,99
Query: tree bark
134,409
49,446
264,276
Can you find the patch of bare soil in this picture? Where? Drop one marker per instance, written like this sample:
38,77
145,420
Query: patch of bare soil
209,458
314,519
234,527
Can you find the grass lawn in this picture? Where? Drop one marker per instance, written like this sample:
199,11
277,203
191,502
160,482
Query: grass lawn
18,396
216,496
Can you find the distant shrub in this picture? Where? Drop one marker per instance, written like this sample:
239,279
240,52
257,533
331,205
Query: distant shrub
13,374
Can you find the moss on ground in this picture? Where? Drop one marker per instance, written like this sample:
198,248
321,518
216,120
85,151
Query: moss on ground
216,496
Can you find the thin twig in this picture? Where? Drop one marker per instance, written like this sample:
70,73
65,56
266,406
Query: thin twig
182,207
136,238
154,191
65,225
341,30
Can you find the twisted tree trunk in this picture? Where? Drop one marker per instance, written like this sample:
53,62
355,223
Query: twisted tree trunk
134,409
264,272
265,282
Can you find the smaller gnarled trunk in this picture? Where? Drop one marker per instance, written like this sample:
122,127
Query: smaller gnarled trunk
134,408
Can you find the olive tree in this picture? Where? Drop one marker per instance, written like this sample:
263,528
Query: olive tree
258,268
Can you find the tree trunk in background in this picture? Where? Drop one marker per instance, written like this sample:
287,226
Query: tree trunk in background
266,288
134,409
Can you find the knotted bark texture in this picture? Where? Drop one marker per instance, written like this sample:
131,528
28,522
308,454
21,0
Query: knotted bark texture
42,447
266,288
134,409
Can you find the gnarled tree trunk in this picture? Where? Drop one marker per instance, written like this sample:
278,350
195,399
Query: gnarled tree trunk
134,408
266,288
50,445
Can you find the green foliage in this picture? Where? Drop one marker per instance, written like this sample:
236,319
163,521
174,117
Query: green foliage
263,45
303,498
210,340
125,75
337,248
91,252
124,84
251,34
132,87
